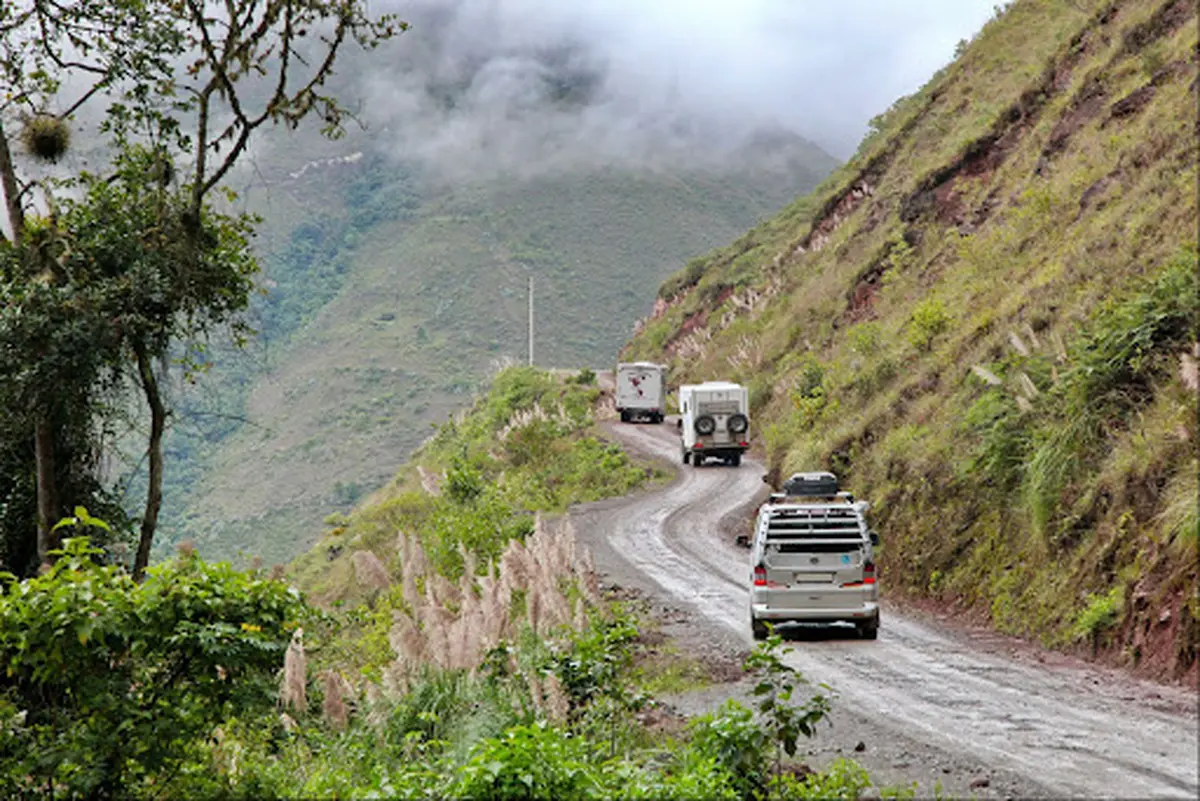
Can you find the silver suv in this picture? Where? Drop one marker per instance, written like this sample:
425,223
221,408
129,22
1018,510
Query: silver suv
812,559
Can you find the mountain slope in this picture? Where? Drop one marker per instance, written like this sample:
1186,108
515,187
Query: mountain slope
987,322
392,293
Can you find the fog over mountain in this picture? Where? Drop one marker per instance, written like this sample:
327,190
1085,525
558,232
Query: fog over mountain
522,84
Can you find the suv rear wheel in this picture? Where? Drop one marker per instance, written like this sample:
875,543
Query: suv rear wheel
758,628
868,630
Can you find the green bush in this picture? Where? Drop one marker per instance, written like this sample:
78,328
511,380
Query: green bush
1101,613
929,319
685,279
451,709
464,482
514,390
1111,368
865,339
695,776
844,780
736,743
113,685
533,761
594,662
1003,446
584,378
812,397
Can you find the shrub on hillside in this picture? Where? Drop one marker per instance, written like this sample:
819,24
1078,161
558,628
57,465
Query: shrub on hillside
929,319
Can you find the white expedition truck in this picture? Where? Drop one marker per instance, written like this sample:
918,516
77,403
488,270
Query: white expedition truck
812,558
641,391
714,422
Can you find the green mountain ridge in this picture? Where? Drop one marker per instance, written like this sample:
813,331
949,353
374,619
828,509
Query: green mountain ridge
392,296
986,322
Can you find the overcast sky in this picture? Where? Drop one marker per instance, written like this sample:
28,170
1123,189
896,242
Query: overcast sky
472,76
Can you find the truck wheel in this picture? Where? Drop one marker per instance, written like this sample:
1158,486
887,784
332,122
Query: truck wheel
697,460
870,629
735,460
686,457
758,629
624,416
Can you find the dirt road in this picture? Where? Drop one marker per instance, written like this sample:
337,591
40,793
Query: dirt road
923,703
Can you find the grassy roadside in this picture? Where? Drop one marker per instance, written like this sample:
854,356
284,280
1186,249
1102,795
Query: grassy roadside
529,446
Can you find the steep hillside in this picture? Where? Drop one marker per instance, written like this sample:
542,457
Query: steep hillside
391,295
987,321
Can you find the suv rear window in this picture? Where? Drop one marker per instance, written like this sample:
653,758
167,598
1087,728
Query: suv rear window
824,524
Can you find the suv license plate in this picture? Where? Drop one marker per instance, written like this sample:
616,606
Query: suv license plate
814,578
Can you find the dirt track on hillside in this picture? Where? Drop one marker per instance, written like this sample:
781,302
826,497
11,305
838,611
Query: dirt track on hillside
923,703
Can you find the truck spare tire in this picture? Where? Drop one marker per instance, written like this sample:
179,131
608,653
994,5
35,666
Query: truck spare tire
738,424
705,425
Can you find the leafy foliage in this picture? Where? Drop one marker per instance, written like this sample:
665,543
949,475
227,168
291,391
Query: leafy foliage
1101,613
527,762
929,319
113,683
733,740
785,722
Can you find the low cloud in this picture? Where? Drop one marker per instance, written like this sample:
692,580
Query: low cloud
526,84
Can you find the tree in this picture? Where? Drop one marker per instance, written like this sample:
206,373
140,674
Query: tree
90,45
51,369
176,134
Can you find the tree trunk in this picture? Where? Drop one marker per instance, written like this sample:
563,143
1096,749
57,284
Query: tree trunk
47,500
11,189
47,503
158,421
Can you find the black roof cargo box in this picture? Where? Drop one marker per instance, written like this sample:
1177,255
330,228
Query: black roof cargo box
811,485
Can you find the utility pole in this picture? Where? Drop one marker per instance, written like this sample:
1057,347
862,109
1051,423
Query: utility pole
531,319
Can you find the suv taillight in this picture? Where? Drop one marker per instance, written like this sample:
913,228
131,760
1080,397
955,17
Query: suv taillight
869,573
760,576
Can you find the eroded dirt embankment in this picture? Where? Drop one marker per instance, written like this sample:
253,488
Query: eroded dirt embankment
928,702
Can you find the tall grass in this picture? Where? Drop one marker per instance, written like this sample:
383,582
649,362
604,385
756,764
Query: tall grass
1180,517
1112,366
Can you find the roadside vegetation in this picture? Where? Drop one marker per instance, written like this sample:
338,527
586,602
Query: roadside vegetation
529,446
456,646
986,322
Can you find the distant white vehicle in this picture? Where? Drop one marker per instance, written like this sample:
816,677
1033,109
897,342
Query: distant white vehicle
714,422
641,391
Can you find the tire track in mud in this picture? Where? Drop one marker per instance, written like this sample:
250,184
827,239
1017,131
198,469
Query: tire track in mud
1065,731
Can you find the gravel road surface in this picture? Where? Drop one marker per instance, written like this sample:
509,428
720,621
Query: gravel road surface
923,703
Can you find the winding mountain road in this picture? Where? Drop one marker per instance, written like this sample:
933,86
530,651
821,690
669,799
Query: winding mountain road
937,697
